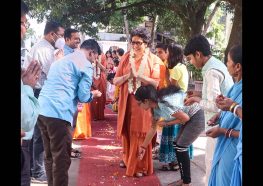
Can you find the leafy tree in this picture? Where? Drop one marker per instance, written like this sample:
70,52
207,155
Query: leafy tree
190,14
236,32
116,23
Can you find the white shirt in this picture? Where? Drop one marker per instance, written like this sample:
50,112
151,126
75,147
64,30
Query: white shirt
213,78
42,51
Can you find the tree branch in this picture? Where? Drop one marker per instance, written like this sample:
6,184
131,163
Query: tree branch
207,24
111,9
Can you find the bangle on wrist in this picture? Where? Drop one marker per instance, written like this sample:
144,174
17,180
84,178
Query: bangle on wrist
227,132
235,110
230,132
232,106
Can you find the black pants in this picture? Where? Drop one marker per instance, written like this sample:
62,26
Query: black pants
25,163
187,135
56,135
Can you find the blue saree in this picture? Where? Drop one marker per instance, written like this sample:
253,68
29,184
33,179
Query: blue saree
226,148
236,179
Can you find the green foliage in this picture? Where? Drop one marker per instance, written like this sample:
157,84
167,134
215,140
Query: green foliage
170,22
217,33
227,7
182,18
116,23
29,33
196,74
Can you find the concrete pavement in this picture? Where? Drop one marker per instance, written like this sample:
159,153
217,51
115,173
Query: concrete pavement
197,166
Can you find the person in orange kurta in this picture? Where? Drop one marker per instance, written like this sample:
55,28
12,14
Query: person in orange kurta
99,81
137,67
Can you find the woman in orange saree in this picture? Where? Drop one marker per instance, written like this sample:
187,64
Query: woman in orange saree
83,125
137,67
99,81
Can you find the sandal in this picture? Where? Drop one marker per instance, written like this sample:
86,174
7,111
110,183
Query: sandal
139,174
165,168
75,151
174,166
75,155
176,183
122,164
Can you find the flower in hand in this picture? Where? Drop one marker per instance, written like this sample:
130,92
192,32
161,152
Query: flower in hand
141,152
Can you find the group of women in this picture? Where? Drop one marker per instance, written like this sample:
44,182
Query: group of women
143,105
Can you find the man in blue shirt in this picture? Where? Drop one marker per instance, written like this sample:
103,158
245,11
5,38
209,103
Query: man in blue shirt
72,40
68,82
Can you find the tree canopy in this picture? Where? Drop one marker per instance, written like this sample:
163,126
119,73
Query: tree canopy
185,17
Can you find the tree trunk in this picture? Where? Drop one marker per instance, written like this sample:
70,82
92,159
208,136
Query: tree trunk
126,24
236,32
153,33
193,23
207,24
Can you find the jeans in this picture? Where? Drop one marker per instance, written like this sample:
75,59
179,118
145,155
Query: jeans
25,163
37,169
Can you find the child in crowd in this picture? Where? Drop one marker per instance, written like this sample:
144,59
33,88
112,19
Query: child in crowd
168,109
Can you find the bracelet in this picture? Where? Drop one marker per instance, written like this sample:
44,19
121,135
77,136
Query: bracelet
229,135
232,106
235,109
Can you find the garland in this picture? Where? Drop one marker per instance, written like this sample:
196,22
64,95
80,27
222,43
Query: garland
96,69
131,87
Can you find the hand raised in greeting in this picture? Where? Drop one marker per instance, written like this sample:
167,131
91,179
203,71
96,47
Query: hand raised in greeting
31,75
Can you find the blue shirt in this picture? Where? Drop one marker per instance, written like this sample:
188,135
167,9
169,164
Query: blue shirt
67,50
164,111
68,82
29,110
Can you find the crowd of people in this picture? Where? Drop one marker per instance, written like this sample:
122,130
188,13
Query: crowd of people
66,83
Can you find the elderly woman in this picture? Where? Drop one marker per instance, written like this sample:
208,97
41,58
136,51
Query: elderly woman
137,67
229,124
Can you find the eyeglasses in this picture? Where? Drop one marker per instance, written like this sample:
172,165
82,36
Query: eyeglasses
138,43
94,52
25,24
58,35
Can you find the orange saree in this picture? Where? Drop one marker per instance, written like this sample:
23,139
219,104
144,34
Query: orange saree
134,122
98,104
83,125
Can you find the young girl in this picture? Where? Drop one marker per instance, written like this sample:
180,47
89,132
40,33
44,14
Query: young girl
164,104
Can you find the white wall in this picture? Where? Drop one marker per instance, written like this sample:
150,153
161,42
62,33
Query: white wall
107,44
